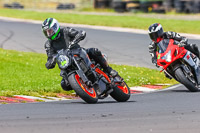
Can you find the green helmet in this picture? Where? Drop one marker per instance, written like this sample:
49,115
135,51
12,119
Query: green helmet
51,28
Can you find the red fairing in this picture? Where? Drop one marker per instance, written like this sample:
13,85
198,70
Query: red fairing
176,53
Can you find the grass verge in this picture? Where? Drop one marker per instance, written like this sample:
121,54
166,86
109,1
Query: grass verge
133,21
24,73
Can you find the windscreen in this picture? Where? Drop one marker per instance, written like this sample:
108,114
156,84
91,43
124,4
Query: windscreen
162,45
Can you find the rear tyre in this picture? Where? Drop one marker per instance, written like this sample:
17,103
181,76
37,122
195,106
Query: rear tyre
121,92
89,95
182,77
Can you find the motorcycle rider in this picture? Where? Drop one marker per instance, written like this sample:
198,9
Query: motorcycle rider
157,34
61,38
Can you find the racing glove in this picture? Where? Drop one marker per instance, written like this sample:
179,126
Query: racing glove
50,63
80,36
183,42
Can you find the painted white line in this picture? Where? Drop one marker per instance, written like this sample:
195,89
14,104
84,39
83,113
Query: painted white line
143,89
48,99
117,29
170,88
148,90
159,90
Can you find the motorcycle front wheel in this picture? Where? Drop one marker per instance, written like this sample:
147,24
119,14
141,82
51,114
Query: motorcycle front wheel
88,94
186,81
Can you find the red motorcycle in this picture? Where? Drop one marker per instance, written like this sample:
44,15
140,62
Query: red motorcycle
179,63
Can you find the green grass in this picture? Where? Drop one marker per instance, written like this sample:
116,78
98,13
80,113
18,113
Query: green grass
137,76
24,73
131,21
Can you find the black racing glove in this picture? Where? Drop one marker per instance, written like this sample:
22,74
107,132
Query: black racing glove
183,42
78,37
50,63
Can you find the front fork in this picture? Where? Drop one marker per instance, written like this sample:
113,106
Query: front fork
82,74
82,56
168,73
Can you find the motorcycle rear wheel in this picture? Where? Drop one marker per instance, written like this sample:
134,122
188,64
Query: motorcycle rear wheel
89,95
121,92
181,77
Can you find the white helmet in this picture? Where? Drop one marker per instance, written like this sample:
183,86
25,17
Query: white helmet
51,28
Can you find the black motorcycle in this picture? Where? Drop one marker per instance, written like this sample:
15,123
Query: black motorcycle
87,78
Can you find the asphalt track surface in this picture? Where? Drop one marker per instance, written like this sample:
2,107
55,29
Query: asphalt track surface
175,110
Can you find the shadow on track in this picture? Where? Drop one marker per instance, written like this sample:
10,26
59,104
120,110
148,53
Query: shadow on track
99,102
184,91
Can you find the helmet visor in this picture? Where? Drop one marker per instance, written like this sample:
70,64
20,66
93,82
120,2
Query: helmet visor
50,31
153,36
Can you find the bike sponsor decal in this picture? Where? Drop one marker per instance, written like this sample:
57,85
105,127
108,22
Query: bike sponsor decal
188,57
159,56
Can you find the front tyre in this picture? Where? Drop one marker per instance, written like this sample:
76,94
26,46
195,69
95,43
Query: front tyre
182,77
89,95
121,92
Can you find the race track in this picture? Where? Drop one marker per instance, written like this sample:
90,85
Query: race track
175,110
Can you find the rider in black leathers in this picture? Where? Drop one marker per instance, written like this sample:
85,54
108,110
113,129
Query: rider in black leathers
61,38
156,34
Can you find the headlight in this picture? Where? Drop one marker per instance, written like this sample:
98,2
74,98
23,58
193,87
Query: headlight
63,61
167,57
